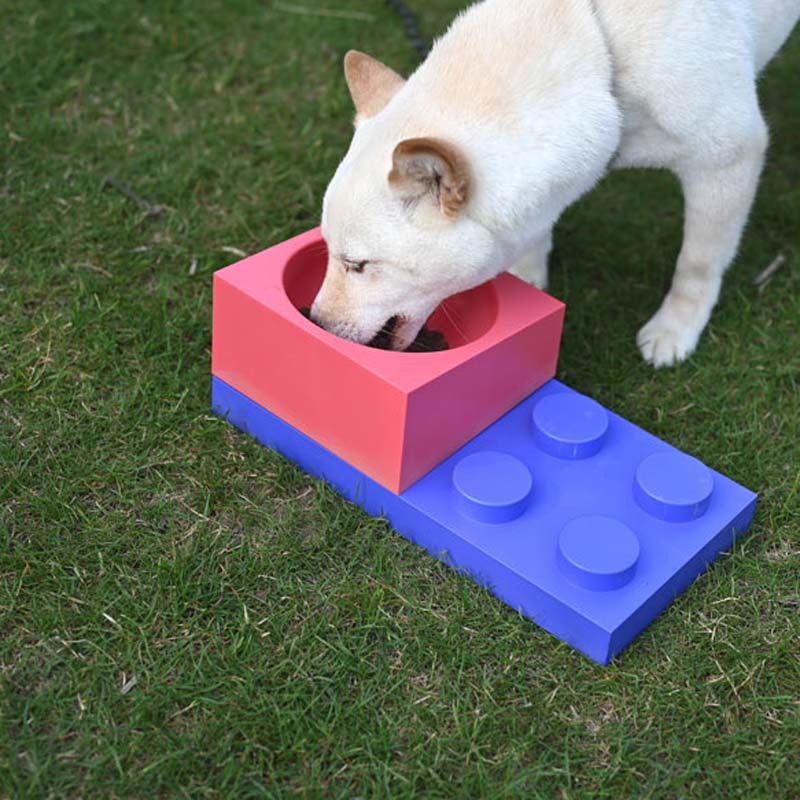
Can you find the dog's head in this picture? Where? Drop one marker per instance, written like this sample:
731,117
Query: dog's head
395,219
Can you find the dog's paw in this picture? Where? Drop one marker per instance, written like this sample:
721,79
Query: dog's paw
665,340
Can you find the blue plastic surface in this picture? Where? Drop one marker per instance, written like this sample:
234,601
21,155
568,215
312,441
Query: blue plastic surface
570,514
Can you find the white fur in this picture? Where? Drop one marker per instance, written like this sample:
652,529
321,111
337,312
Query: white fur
541,97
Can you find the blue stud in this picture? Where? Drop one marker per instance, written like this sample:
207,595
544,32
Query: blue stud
568,425
598,553
492,487
673,486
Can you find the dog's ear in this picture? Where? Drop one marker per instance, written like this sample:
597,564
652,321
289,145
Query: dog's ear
372,84
434,168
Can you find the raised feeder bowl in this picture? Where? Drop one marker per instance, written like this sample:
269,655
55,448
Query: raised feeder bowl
394,416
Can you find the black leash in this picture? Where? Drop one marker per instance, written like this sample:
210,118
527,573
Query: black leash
410,24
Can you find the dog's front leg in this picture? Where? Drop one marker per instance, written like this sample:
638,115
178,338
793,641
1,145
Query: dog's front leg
531,266
717,202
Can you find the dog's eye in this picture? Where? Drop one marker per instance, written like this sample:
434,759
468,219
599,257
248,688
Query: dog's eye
355,266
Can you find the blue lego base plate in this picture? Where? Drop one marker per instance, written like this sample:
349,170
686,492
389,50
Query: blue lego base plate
570,514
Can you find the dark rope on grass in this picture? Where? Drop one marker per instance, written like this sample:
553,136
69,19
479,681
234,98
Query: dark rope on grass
150,209
410,24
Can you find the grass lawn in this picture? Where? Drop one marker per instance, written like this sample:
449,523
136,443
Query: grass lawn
184,613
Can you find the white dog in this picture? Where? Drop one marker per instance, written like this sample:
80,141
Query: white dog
461,171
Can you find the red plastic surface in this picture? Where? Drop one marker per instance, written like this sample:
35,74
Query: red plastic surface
394,416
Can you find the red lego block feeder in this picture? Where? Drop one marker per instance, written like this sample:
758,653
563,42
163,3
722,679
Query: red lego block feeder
394,416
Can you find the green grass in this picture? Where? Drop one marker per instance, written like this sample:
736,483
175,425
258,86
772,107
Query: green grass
184,613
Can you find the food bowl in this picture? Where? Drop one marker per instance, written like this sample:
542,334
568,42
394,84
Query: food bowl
393,415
